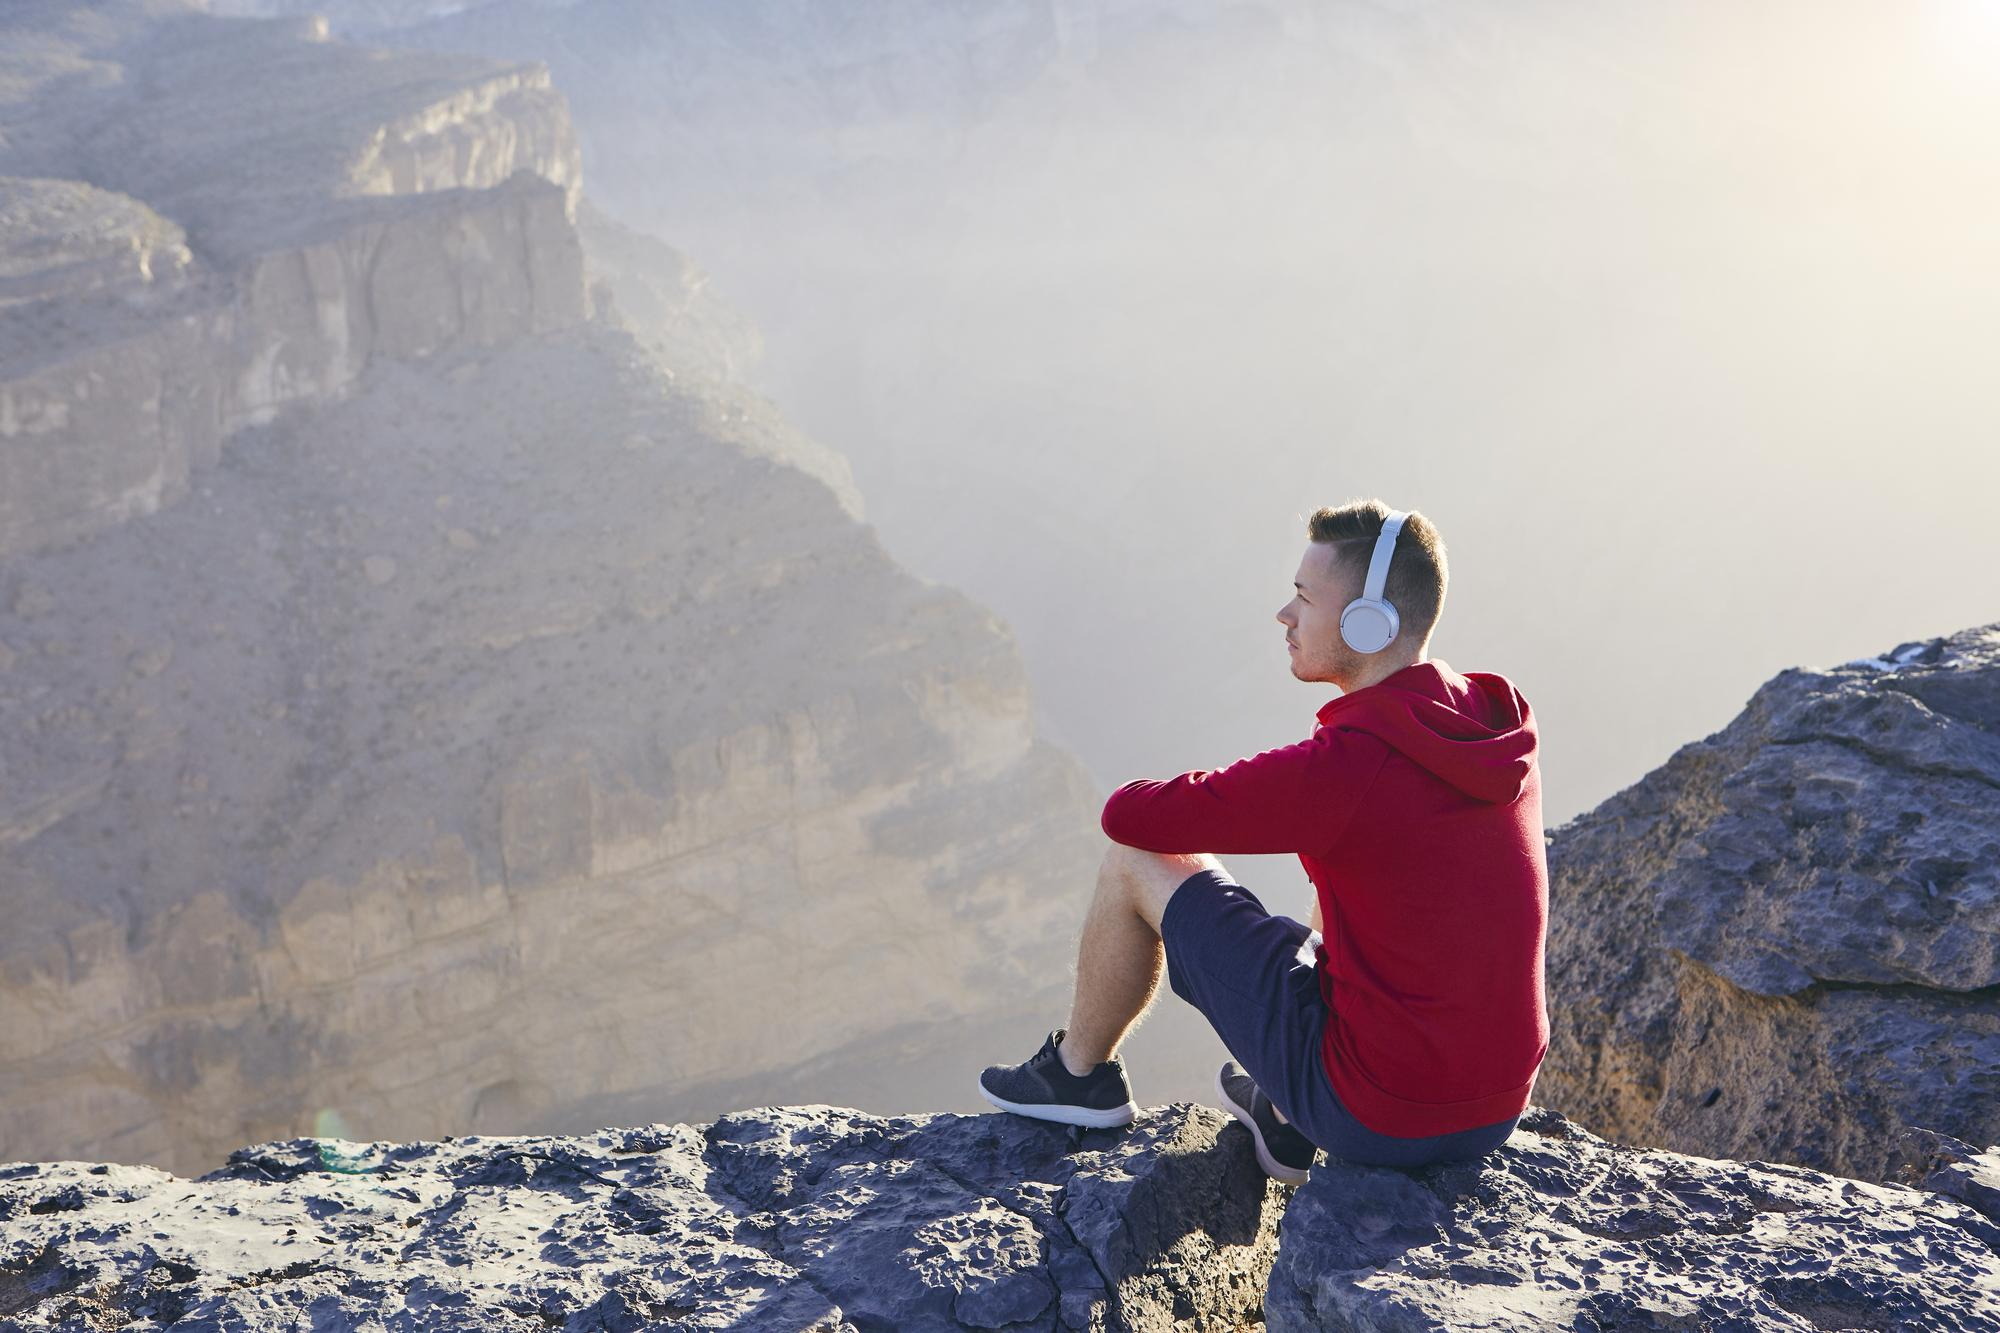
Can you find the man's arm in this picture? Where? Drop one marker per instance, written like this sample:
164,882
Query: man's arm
1297,798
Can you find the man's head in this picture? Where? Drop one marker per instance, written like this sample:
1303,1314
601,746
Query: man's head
1330,575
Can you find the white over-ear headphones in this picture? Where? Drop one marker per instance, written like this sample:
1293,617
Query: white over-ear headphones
1369,624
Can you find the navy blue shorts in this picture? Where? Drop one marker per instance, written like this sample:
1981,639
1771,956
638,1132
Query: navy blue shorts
1253,976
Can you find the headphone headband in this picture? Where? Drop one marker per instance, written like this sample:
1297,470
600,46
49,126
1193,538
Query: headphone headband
1385,547
1370,623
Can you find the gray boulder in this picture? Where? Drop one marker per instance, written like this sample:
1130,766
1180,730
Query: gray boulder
794,1218
1559,1229
1784,943
1941,1163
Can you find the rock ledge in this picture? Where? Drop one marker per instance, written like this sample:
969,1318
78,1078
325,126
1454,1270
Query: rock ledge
795,1218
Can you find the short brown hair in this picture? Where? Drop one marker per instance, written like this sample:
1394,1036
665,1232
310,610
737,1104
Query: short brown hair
1417,574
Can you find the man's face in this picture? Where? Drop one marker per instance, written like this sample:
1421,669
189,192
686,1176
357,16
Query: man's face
1320,592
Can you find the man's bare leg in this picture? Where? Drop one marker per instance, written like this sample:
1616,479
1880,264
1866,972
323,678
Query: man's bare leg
1119,960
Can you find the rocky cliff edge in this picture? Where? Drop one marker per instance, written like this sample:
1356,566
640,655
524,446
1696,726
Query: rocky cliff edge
822,1218
1784,942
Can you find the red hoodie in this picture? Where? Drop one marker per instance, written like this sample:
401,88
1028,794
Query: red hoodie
1416,809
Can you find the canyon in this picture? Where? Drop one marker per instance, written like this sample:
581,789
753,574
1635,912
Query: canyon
493,840
435,697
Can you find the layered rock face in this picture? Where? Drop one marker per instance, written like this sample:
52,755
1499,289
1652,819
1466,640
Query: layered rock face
1785,942
802,1218
207,220
503,743
505,731
821,1218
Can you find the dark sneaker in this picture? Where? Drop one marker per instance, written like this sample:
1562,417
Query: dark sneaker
1042,1088
1284,1153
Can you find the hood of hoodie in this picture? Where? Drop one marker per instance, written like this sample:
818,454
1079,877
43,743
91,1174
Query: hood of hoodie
1474,730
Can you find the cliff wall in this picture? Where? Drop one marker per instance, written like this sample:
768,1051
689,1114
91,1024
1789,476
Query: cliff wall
427,707
209,219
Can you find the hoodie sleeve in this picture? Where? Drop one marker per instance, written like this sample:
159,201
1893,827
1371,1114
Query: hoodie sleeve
1297,798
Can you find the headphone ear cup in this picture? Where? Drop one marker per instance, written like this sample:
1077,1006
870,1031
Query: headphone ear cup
1368,625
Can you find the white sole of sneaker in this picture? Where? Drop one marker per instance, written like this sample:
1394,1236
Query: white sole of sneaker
1085,1116
1275,1169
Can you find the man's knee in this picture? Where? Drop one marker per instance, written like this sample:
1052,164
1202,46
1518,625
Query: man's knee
1153,876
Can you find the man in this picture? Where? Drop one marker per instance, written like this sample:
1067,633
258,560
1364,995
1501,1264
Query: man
1412,1030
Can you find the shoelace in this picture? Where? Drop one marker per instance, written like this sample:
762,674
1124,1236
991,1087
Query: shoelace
1048,1055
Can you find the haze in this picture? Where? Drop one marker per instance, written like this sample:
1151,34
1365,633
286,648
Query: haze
1678,320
